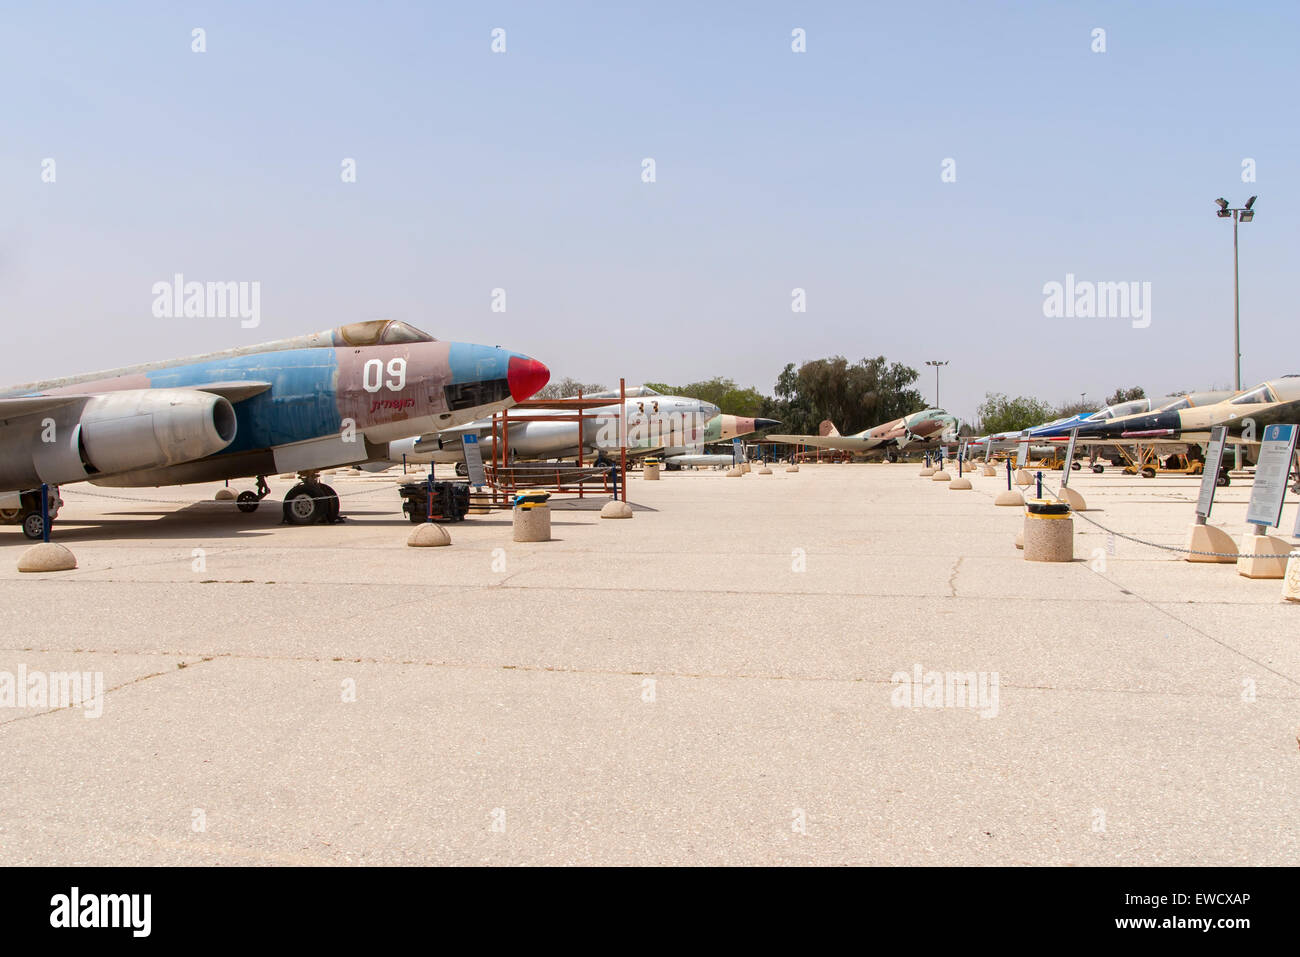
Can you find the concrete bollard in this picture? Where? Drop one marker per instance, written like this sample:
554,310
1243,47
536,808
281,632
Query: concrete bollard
744,467
1291,585
531,524
616,510
531,517
959,483
989,471
480,503
428,535
1048,532
1024,478
941,476
1273,554
792,468
47,557
1208,538
1009,497
928,471
651,473
765,471
1073,499
735,472
224,495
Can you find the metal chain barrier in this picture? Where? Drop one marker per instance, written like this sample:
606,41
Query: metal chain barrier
1141,541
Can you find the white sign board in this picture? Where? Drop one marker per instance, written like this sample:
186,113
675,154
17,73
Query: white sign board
474,461
1022,454
1271,472
1213,462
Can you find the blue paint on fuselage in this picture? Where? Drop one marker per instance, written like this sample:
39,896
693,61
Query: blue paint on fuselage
301,404
474,363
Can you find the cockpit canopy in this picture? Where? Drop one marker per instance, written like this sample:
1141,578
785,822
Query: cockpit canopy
1256,396
379,332
1122,409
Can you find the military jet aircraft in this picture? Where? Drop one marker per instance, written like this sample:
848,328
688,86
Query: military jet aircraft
926,428
294,405
720,428
654,422
1188,419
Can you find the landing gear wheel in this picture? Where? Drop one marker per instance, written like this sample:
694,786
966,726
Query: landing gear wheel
1076,466
1223,480
331,504
1148,472
892,456
34,526
1099,469
303,505
247,501
462,469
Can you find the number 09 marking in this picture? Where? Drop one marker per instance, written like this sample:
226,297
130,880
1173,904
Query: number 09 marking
372,375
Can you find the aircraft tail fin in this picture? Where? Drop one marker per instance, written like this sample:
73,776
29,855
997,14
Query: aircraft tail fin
827,428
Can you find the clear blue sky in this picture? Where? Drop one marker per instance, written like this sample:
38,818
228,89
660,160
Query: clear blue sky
774,170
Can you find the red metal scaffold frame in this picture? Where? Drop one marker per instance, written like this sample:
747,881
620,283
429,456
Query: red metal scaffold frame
499,472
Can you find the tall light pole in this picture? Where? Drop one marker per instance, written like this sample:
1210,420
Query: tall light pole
1238,214
936,363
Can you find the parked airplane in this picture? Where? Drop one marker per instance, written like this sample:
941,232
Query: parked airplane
926,428
294,405
1186,420
654,422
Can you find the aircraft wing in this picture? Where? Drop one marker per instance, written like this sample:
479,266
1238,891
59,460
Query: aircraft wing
845,443
231,391
33,404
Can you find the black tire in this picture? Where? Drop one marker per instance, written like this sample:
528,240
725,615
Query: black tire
303,506
1224,480
33,526
1098,469
247,501
1148,472
331,503
461,469
1076,466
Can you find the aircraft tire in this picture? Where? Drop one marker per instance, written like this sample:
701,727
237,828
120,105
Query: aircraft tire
1224,480
331,504
1148,472
33,526
462,469
1098,469
247,501
302,506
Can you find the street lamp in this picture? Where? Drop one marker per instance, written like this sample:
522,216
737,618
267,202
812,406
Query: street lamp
936,363
1239,214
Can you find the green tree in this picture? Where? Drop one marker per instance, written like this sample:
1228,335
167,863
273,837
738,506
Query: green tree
1000,414
568,388
1126,395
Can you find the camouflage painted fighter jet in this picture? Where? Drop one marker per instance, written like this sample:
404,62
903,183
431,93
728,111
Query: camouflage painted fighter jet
295,405
927,428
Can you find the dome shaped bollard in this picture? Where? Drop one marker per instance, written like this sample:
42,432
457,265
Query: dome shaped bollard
616,510
428,535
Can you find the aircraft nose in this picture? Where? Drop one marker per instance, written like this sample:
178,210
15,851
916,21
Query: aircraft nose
525,377
765,423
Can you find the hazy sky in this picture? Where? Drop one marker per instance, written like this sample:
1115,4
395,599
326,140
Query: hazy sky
774,170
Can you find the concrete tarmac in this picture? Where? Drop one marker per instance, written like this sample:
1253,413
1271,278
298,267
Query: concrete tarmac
716,681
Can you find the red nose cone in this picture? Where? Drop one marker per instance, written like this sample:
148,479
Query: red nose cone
525,377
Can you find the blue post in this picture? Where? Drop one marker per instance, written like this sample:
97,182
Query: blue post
45,512
1008,475
613,474
1040,483
429,516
